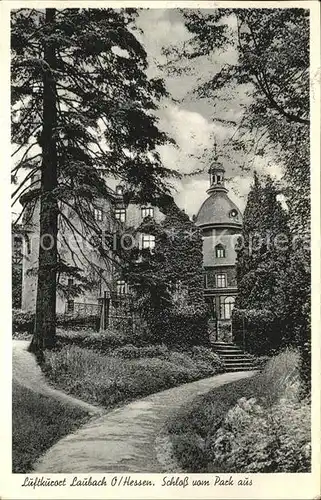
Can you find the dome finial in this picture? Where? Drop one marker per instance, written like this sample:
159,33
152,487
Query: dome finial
216,171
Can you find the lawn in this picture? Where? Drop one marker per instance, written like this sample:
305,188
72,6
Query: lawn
260,424
125,373
38,422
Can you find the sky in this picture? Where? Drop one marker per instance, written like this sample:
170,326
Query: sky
195,123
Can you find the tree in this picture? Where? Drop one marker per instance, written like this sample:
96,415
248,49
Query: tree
168,280
262,265
272,68
82,106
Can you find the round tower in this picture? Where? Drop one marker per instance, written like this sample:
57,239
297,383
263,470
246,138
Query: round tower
220,221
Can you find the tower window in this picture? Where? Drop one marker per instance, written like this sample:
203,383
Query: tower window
220,252
98,214
147,212
148,241
221,281
121,287
120,214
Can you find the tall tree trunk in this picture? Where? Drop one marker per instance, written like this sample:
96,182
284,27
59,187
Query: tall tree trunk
45,319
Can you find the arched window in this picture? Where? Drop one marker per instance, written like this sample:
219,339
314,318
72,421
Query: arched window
228,307
219,251
119,189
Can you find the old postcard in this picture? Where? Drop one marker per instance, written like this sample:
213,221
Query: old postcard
161,249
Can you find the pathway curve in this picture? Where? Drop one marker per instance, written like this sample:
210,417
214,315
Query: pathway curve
26,372
124,440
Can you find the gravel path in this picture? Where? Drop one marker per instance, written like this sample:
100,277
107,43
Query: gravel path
127,439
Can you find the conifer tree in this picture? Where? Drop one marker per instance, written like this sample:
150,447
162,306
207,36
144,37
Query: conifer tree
81,105
262,263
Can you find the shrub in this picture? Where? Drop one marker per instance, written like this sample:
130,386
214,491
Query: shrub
253,439
110,379
258,424
23,321
258,329
100,341
206,355
130,351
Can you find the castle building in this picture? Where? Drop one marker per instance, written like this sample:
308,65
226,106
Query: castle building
220,222
111,214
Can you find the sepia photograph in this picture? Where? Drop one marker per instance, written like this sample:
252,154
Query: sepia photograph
161,243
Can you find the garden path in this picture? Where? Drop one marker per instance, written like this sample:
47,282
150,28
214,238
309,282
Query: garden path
126,439
26,372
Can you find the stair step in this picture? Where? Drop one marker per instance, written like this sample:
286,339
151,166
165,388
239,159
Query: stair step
240,368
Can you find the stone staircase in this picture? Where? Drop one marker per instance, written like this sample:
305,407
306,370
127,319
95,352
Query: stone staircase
234,359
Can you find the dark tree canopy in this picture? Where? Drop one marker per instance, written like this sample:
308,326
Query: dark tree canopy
82,106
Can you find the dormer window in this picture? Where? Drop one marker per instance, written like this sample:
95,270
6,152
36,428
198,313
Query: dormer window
119,190
220,252
233,214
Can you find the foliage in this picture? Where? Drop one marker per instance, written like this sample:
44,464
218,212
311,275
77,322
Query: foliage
16,286
82,108
130,351
108,380
252,439
258,424
263,257
168,281
38,422
272,67
23,321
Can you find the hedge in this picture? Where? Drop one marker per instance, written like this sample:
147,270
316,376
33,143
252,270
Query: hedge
23,321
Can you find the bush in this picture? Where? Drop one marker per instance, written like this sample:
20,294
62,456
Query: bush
100,341
109,379
130,351
259,329
23,321
258,424
253,439
206,355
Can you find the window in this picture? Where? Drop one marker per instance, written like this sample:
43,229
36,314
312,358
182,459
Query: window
205,280
28,244
98,214
233,214
70,282
70,306
121,287
219,252
221,281
147,212
148,241
120,214
119,190
228,307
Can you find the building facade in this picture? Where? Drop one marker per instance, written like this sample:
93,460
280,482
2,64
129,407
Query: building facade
220,222
111,214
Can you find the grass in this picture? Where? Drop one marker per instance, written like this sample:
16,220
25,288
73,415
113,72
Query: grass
111,379
220,431
38,422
